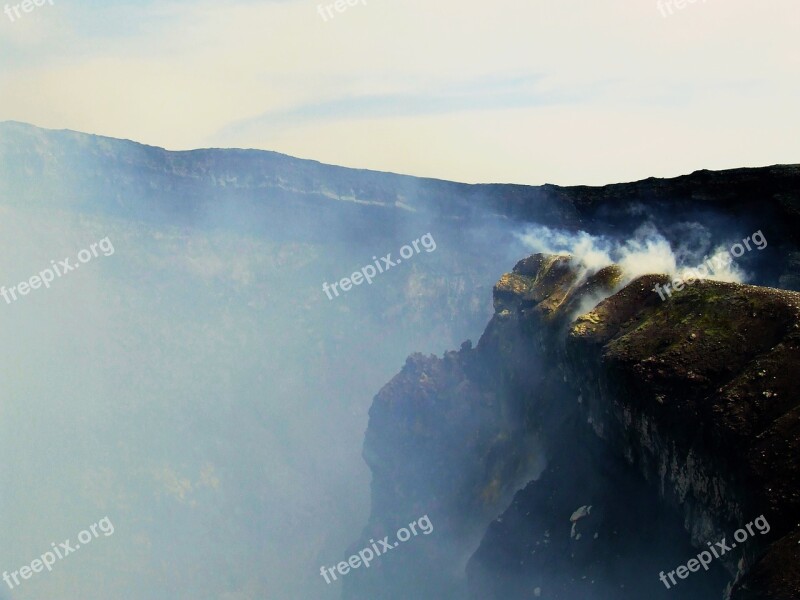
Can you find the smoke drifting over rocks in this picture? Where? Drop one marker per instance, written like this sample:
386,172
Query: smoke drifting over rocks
202,388
646,250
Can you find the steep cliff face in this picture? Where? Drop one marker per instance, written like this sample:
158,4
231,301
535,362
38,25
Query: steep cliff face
699,396
654,427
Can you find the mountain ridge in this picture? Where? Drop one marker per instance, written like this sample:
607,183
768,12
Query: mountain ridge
785,169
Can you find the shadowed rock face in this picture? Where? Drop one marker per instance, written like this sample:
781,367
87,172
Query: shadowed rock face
661,426
699,395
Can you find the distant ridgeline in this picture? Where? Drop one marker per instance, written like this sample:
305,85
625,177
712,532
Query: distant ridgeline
123,178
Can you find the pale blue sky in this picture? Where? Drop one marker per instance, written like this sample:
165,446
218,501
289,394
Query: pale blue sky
522,91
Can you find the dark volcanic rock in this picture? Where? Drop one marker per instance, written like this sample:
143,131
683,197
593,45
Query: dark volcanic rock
697,393
664,426
443,441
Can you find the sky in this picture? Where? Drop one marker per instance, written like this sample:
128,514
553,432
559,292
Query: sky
518,91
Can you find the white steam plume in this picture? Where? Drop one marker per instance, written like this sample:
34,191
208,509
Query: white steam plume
647,251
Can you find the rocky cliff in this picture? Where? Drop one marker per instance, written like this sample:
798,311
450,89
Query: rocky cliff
582,448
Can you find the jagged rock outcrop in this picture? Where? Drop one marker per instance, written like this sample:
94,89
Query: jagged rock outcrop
662,425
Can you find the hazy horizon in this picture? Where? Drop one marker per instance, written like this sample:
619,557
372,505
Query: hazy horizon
401,174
